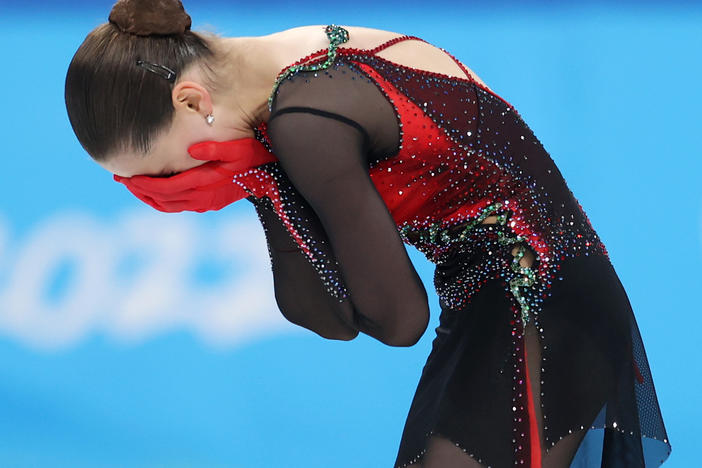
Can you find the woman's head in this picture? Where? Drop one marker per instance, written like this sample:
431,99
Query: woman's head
120,99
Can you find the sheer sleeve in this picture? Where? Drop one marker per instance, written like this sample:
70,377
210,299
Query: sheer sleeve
323,129
305,297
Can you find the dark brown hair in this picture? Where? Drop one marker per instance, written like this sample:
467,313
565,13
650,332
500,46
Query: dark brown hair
115,105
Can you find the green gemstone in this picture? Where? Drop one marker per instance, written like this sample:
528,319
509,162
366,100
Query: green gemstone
337,35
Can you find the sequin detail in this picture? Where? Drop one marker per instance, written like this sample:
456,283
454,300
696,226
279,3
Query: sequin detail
464,153
337,35
525,276
291,209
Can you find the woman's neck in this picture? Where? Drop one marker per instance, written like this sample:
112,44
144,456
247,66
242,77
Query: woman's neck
246,77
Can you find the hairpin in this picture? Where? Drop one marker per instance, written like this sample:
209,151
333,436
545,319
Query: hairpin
160,70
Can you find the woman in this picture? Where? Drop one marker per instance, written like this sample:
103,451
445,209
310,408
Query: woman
346,153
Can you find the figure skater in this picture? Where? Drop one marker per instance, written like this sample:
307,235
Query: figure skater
349,151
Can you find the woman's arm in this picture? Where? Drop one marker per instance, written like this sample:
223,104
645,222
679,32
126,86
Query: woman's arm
301,295
324,153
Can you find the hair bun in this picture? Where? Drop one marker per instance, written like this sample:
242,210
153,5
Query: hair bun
147,17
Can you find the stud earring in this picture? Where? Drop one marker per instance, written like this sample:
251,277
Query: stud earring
210,119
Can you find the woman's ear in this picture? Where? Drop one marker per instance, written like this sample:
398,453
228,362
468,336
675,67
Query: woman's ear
189,96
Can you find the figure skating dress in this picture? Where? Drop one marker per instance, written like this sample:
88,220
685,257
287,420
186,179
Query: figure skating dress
364,141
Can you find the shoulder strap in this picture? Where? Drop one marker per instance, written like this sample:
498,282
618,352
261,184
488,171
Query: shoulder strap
392,41
395,40
460,65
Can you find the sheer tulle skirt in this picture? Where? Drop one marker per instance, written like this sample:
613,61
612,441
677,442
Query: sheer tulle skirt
596,404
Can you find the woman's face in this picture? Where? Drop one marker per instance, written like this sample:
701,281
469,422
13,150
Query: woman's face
168,154
169,149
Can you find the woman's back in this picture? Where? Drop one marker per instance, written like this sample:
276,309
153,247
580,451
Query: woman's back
299,42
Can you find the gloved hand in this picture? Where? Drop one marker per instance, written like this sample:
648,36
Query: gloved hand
231,173
212,185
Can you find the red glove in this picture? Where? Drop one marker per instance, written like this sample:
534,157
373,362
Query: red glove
230,174
210,186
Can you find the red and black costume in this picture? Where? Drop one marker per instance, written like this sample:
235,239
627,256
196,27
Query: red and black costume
371,154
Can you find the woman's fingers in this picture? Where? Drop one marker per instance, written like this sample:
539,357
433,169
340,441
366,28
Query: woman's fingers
209,186
199,176
148,200
243,153
212,197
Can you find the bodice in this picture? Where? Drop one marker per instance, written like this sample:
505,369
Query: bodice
465,153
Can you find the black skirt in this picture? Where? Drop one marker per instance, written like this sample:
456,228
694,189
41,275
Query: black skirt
595,382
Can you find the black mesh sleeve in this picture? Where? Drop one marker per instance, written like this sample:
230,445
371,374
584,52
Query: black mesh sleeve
324,128
303,296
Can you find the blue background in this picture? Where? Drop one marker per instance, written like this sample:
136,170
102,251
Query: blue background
130,337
